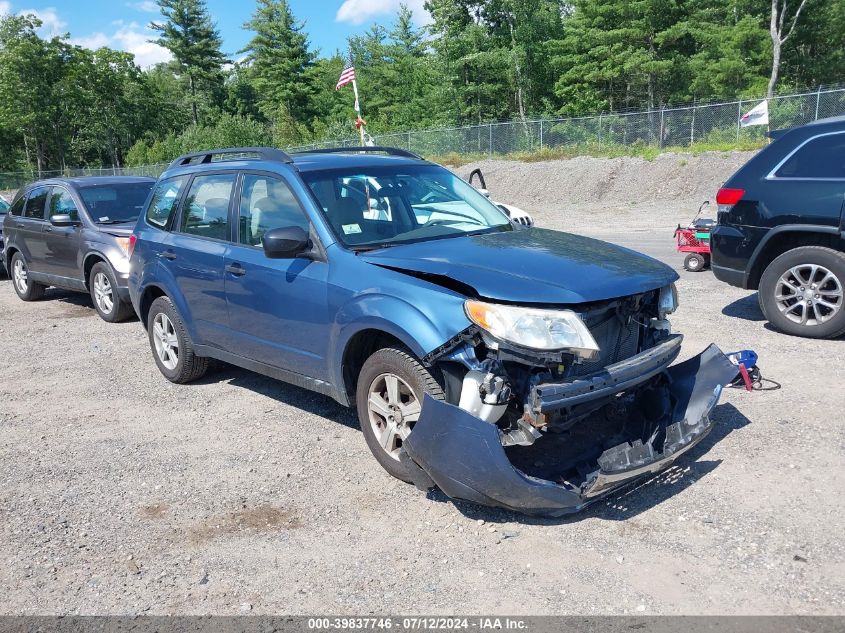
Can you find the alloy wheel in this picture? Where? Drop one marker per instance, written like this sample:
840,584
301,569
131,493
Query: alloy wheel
393,410
166,342
809,294
103,293
20,276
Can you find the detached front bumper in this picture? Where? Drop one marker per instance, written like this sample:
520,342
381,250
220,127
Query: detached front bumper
464,456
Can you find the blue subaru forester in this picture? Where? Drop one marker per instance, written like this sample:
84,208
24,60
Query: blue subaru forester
509,366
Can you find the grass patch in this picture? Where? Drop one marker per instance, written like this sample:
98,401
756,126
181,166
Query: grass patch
454,159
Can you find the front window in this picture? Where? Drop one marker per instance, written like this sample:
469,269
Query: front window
4,206
61,203
115,203
383,206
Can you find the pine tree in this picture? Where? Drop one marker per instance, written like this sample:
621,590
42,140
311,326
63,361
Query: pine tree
189,33
280,64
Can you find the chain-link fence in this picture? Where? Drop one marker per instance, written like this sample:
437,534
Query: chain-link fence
682,126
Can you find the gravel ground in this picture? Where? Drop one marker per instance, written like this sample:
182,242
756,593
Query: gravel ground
121,493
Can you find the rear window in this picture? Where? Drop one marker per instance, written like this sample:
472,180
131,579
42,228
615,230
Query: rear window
164,200
822,157
115,203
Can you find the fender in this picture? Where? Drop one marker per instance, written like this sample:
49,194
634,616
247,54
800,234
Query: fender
397,317
790,228
166,283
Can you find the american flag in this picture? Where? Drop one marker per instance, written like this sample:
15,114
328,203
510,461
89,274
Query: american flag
347,76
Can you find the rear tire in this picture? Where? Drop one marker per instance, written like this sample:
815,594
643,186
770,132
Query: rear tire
103,287
801,292
26,289
172,348
389,398
694,263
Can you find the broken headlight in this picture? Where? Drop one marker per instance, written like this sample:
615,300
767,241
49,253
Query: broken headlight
534,328
668,301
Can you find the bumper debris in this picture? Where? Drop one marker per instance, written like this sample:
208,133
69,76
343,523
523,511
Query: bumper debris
665,412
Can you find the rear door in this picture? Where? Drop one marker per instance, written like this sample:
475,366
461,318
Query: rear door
30,227
193,253
61,243
277,307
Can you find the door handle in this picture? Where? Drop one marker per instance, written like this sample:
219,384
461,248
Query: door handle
236,269
168,255
48,229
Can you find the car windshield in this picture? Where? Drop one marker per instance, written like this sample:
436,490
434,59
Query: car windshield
377,207
115,203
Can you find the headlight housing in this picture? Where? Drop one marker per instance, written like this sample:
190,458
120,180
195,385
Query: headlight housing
534,328
668,301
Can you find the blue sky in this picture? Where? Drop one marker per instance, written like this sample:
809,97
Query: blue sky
123,24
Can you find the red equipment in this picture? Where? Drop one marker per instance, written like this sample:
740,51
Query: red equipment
695,240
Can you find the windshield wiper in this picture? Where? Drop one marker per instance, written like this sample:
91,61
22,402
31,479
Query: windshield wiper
103,223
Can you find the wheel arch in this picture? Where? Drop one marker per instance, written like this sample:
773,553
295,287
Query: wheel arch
784,238
91,260
358,349
150,294
10,253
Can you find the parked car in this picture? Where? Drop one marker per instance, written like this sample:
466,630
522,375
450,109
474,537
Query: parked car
74,233
781,229
510,366
4,207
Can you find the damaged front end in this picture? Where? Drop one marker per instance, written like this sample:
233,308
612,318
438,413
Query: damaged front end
548,433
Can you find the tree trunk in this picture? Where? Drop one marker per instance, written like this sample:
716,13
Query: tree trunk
775,31
193,99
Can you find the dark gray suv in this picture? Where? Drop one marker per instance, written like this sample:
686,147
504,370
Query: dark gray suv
74,233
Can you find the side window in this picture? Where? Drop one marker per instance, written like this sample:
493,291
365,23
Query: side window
206,209
163,201
267,203
35,203
822,157
17,208
61,203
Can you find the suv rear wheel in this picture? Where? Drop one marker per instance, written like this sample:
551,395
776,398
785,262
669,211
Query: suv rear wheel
172,348
801,292
103,285
27,289
389,399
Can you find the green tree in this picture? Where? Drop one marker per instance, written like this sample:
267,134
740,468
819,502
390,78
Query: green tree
189,33
280,65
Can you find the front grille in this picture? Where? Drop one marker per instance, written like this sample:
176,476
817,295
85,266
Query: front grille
617,341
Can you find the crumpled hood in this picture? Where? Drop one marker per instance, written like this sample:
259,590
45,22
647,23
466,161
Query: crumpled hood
120,230
531,266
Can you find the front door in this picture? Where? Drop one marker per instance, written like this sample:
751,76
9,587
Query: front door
277,307
62,256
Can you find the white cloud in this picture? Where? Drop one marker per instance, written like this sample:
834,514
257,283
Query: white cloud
131,38
51,24
134,39
147,6
360,11
5,8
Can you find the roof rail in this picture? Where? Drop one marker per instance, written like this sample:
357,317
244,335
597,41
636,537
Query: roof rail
264,153
392,151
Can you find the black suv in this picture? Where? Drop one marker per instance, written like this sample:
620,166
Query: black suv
74,233
781,229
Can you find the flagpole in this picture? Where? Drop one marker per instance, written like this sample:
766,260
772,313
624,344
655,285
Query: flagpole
358,110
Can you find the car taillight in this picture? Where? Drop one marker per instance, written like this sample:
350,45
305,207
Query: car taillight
132,239
727,197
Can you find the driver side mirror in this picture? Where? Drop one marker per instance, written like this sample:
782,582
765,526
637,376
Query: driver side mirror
64,219
285,243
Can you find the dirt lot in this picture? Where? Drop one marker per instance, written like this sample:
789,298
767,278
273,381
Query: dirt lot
122,493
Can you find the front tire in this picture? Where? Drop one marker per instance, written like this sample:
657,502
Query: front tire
26,289
389,398
801,292
103,285
172,348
